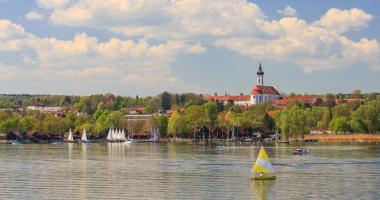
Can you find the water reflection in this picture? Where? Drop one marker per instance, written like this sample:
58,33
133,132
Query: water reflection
262,189
70,150
84,151
116,149
184,171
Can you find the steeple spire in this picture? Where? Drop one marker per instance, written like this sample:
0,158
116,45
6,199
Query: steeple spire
260,76
260,72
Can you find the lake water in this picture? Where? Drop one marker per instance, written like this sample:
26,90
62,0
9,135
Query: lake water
174,171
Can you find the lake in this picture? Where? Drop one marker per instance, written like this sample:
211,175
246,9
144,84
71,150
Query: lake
179,171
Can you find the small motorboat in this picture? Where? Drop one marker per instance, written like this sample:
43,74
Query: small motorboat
16,142
300,151
129,141
57,142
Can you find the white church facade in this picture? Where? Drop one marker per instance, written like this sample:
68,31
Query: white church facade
259,94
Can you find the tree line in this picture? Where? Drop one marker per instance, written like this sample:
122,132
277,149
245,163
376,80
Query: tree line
98,113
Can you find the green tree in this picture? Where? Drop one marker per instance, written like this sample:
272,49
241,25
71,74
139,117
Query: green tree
211,110
52,124
340,125
162,123
8,125
368,116
268,122
28,123
176,124
195,116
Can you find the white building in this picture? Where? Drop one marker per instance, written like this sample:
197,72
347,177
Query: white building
263,94
259,94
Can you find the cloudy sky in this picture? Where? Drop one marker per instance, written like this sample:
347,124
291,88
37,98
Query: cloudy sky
144,47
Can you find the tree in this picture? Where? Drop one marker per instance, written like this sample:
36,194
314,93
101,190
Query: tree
367,116
330,103
211,110
314,115
52,124
8,125
162,123
28,123
195,116
341,110
357,94
268,122
340,125
292,122
371,96
165,101
176,124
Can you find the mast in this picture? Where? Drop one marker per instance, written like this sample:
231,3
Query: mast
84,135
70,136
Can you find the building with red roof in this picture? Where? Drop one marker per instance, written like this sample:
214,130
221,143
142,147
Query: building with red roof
259,94
283,103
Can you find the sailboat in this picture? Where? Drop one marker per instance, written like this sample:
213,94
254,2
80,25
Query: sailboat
109,135
155,135
263,168
70,137
84,137
123,138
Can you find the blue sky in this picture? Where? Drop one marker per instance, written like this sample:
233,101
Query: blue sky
144,47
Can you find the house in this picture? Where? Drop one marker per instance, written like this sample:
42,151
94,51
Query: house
55,110
135,111
316,131
283,103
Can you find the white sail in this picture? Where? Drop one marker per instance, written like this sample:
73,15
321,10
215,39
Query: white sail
109,136
119,135
112,134
123,135
115,134
70,136
84,135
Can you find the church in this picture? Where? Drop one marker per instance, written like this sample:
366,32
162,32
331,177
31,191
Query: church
259,94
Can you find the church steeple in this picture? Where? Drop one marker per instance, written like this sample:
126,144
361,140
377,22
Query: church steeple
260,76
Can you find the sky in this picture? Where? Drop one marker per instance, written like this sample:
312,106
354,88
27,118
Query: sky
145,47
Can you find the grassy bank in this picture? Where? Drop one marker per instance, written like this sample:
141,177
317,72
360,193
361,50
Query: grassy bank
345,137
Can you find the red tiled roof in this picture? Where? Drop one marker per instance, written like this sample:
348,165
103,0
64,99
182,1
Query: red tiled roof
229,98
142,133
286,100
349,100
264,90
136,109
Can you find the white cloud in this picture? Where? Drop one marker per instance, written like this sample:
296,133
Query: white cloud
53,4
162,18
311,45
163,29
288,11
8,71
85,58
34,15
10,30
343,20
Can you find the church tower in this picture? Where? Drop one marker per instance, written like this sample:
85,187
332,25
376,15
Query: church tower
260,76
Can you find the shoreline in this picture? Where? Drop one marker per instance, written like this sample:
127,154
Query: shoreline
358,137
